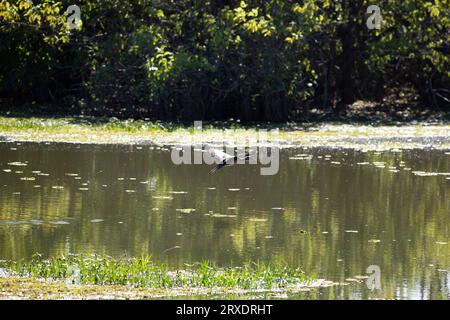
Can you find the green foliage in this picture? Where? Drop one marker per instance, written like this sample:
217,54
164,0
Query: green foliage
219,59
143,272
31,35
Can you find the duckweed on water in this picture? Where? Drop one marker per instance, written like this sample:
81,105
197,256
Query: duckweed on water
144,273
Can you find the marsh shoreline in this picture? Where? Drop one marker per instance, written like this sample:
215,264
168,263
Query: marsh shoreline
103,277
129,132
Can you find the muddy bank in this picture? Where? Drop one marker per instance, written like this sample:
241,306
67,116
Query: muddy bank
18,288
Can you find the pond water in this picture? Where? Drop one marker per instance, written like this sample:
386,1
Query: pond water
332,212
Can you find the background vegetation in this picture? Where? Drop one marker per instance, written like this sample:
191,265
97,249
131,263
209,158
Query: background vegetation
218,59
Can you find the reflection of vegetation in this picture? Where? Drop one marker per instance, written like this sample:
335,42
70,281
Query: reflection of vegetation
143,272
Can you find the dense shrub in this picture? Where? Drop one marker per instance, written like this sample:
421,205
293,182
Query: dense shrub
217,59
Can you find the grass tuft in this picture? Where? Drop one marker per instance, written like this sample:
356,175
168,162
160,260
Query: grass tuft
144,273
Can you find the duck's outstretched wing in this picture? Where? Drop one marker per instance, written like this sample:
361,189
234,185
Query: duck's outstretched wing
246,156
217,167
225,158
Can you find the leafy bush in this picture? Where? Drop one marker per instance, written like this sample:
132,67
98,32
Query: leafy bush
220,59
